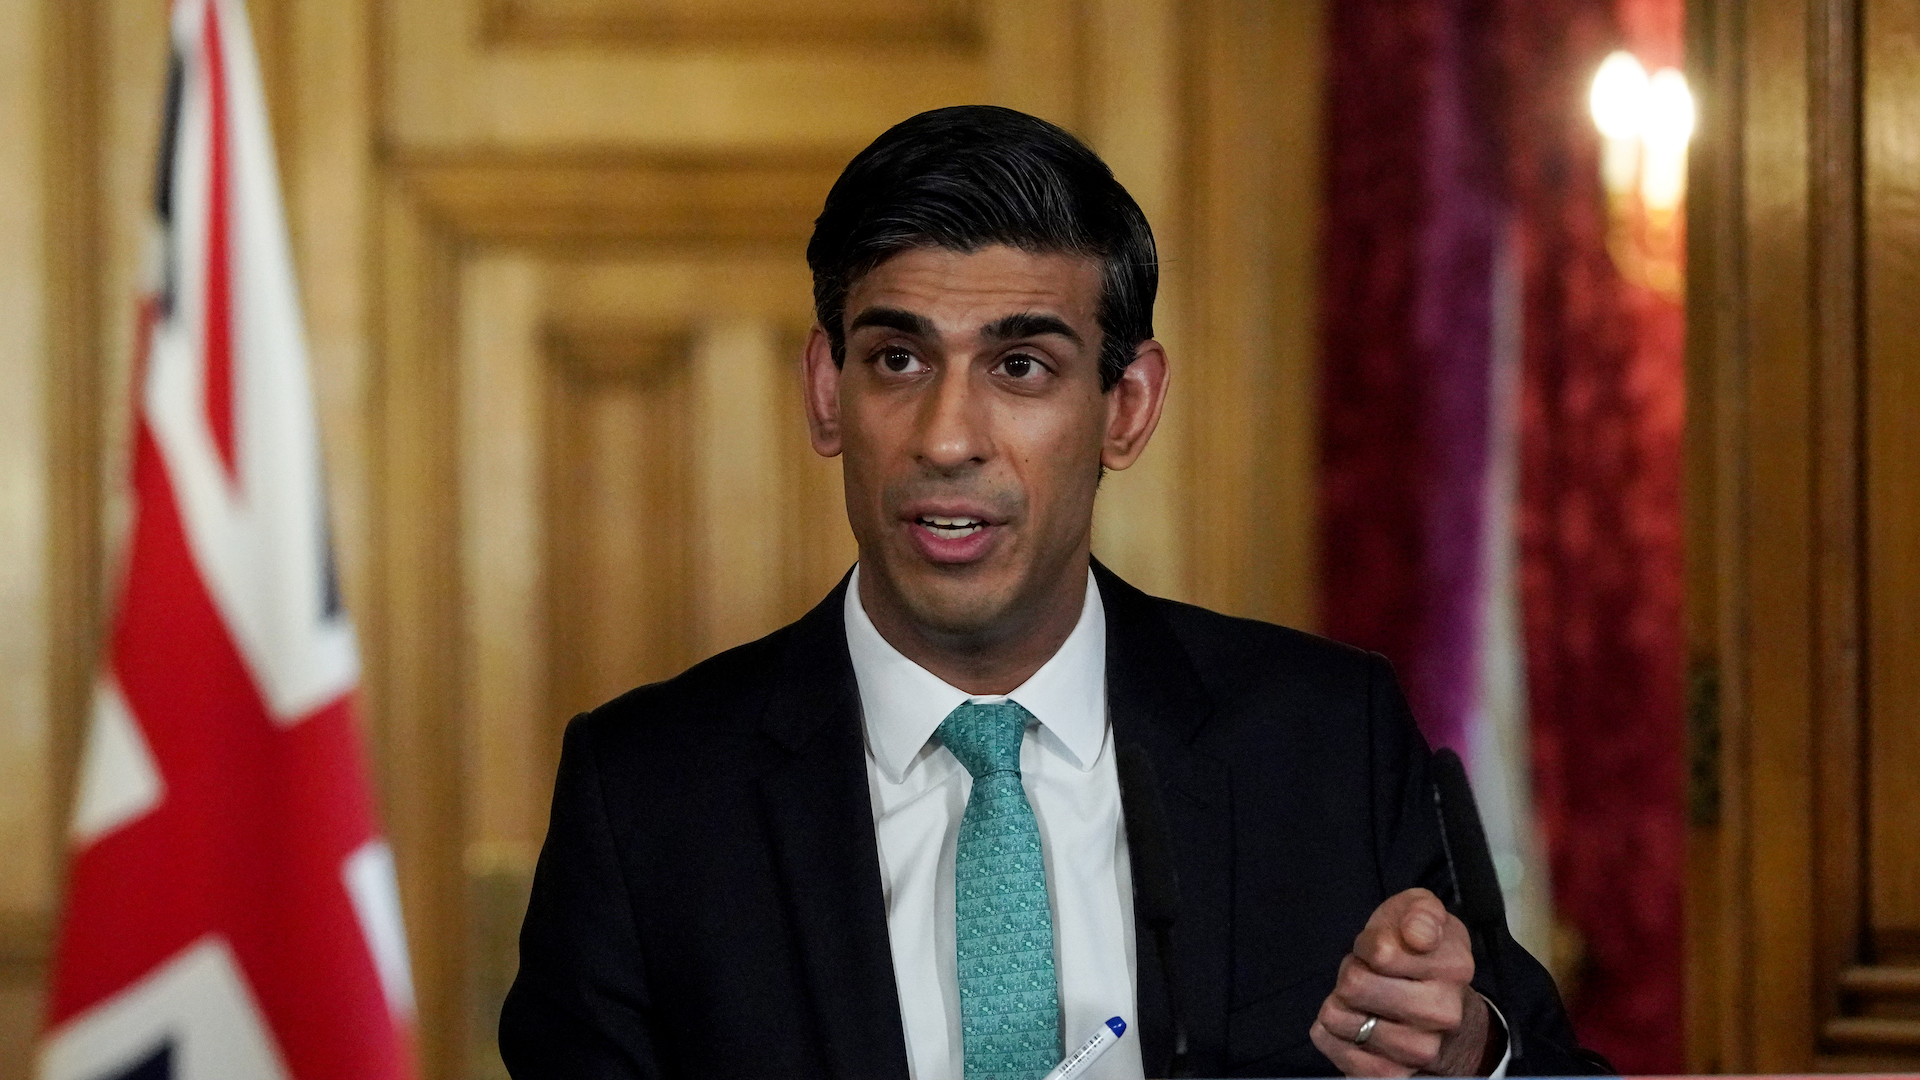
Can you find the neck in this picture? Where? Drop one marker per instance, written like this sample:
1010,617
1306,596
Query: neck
995,660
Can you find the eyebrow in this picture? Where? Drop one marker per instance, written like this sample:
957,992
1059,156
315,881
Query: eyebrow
1025,324
1029,324
888,318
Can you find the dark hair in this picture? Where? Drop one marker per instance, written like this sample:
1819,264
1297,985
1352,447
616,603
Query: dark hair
970,176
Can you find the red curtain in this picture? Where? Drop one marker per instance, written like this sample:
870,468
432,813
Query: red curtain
1601,542
1421,94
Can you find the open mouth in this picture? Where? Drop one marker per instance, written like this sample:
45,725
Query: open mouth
951,528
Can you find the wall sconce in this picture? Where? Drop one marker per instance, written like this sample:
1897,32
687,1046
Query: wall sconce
1645,123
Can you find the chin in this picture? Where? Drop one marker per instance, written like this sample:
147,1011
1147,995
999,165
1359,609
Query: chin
971,603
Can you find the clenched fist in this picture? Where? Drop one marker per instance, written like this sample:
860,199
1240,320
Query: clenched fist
1409,970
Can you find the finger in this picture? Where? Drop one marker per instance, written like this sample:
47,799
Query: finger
1385,951
1427,1004
1353,1060
1394,908
1403,1045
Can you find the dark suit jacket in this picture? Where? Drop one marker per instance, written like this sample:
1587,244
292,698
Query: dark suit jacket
708,902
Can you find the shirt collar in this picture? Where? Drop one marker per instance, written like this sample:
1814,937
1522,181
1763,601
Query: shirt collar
903,703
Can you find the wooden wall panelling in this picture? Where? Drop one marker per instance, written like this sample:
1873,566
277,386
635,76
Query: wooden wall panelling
412,626
690,200
1892,192
449,86
501,433
951,24
1833,139
545,378
1133,118
1811,410
1761,422
737,514
619,421
1771,743
504,734
29,153
1253,125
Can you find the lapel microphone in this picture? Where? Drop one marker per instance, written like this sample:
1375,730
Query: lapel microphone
1476,885
1156,889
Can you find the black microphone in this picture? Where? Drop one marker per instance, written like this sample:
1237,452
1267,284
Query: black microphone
1476,885
1156,889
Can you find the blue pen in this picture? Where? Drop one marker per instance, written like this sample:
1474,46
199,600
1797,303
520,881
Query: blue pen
1080,1060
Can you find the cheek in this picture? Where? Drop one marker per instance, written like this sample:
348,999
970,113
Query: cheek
1059,461
864,458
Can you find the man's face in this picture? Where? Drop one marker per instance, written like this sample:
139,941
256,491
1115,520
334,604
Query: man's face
973,425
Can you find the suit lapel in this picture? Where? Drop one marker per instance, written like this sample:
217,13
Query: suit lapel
819,816
1155,700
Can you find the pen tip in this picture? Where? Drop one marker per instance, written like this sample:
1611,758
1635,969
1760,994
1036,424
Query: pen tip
1118,1026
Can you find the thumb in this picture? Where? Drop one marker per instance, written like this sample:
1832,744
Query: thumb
1421,929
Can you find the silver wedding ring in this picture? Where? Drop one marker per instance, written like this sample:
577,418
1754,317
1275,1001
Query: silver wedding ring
1366,1031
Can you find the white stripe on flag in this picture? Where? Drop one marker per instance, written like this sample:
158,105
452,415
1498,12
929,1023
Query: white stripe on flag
118,780
375,890
197,1003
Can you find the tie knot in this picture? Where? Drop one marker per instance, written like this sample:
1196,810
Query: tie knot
985,736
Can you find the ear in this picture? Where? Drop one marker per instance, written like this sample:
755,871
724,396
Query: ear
1133,406
821,389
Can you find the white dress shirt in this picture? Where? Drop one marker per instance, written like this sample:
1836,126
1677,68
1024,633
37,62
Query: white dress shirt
919,792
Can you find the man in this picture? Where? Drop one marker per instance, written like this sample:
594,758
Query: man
889,839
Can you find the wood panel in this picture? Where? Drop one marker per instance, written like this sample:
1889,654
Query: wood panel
450,86
411,624
24,458
618,511
1773,741
1133,114
686,200
28,447
953,24
1803,286
1254,116
1892,193
620,600
502,531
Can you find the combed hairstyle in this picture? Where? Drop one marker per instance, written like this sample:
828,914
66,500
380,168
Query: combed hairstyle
971,176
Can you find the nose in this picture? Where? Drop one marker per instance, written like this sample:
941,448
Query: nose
953,422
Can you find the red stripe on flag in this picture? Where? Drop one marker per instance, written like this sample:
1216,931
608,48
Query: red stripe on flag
252,833
219,326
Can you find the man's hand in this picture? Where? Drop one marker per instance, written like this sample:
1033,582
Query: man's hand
1410,968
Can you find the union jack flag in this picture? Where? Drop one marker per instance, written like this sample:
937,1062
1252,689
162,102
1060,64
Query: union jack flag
231,908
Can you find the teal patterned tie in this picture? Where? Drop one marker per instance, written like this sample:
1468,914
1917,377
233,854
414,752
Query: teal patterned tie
1003,931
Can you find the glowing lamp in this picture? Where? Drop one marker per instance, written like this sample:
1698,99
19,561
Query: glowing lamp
1645,123
1619,96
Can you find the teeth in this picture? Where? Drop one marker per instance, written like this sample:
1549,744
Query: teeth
952,528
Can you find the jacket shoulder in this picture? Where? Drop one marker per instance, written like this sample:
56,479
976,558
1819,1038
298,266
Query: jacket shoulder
1239,657
712,704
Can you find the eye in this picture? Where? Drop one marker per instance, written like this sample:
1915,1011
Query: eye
1022,366
899,361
